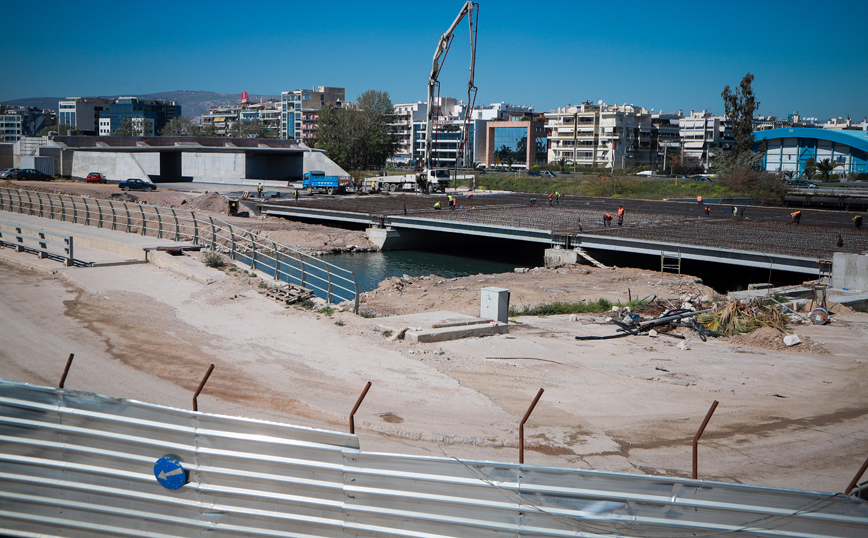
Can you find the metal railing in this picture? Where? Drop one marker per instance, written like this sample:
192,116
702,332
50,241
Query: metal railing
328,281
27,239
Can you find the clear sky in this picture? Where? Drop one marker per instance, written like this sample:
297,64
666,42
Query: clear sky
810,57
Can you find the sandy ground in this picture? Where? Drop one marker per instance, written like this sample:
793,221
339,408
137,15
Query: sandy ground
793,418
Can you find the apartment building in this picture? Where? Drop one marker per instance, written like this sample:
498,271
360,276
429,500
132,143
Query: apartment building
600,135
702,133
224,118
299,114
81,113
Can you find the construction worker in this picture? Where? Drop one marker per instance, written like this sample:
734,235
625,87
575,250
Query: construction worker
295,195
796,215
620,215
451,201
707,211
607,219
857,221
437,205
259,190
533,201
734,212
580,224
558,197
551,199
699,200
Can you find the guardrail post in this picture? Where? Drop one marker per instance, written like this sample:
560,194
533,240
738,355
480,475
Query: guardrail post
66,371
39,197
356,408
99,209
114,215
129,217
232,252
356,291
213,234
74,211
177,227
521,426
699,434
276,261
329,291
43,246
144,223
201,386
20,203
62,209
303,273
159,222
253,246
29,203
195,229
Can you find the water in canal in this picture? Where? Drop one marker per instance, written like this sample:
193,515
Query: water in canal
371,268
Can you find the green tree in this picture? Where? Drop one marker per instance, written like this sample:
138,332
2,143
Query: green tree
825,168
357,136
741,105
126,128
810,167
180,126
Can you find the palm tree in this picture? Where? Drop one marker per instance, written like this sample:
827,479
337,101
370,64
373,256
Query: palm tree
825,168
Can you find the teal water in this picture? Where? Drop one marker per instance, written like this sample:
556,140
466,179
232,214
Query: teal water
371,268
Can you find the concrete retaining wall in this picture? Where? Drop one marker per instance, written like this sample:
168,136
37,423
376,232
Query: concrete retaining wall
850,271
315,160
116,166
214,167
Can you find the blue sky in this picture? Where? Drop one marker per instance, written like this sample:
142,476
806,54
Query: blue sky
810,57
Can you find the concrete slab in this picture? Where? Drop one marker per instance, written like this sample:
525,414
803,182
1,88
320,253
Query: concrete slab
440,326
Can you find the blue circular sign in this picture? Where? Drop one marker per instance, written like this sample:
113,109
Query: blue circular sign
169,472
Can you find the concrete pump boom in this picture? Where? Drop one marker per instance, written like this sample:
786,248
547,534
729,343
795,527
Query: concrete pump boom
445,40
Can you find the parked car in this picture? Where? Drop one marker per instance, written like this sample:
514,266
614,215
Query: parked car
136,184
32,174
9,173
534,174
546,173
802,184
95,177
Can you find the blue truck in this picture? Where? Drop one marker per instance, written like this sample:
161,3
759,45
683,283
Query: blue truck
318,181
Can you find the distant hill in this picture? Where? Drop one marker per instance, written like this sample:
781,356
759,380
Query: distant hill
193,103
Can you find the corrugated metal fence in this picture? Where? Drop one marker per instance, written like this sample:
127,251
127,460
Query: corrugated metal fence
79,464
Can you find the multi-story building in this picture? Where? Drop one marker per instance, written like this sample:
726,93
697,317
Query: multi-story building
81,113
702,133
600,135
224,118
403,127
500,112
18,121
447,135
299,114
152,114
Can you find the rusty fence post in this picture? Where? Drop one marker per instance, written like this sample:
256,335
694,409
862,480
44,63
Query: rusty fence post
521,426
66,370
699,434
856,478
356,408
201,385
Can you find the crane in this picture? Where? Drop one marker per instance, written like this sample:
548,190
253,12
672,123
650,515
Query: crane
470,9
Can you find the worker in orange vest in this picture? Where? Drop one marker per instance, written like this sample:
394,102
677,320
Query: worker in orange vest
797,215
620,215
607,220
699,200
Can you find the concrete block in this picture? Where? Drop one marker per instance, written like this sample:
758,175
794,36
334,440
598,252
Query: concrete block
494,304
792,339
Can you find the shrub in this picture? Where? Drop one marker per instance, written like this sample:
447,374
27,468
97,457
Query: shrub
212,259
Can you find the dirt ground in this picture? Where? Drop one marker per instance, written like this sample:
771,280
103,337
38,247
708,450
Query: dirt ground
788,417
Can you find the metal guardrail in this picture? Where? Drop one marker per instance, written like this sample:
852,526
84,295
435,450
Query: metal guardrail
80,465
326,280
27,239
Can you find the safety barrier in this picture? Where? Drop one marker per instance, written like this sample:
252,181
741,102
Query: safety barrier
326,280
78,464
27,239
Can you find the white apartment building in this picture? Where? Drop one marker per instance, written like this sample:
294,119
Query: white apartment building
702,132
410,121
299,115
10,128
600,135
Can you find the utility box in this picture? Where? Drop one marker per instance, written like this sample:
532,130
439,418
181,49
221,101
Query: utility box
233,207
494,304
